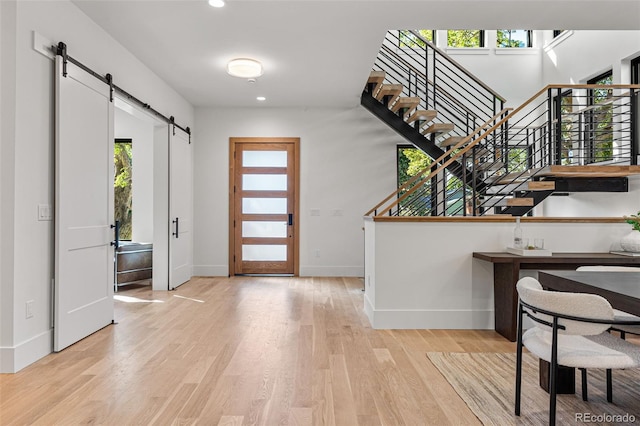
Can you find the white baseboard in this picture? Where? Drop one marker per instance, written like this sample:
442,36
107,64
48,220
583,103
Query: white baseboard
14,359
429,319
331,271
211,270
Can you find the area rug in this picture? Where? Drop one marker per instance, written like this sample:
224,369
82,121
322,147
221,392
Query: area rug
486,383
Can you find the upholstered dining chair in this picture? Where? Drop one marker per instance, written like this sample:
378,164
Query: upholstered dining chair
618,315
569,329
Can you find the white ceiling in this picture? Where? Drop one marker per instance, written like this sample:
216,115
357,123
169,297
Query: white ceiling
315,52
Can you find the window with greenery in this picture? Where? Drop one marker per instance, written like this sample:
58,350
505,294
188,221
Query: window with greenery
412,161
518,159
407,39
600,119
514,38
465,38
122,186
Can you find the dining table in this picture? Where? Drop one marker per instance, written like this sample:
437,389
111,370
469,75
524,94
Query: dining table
621,289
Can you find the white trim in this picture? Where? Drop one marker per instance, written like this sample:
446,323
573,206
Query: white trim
211,270
331,271
468,51
429,318
14,359
557,40
517,51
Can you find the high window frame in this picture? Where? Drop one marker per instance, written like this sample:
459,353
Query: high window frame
467,34
525,41
599,132
406,39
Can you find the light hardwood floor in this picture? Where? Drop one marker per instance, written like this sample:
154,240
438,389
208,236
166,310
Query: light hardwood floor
236,351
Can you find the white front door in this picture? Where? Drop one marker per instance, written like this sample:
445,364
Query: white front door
180,208
84,206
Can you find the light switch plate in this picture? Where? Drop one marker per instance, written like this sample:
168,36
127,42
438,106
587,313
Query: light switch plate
44,212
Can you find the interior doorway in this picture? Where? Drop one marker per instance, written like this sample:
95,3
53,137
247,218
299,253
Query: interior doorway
140,197
264,199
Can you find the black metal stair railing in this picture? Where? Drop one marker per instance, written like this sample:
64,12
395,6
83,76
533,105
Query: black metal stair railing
506,168
437,80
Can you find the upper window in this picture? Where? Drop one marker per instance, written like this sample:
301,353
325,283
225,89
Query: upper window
556,33
600,119
465,38
514,38
407,39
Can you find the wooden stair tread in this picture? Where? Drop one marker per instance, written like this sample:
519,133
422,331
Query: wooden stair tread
532,185
479,152
590,171
438,128
490,165
376,78
498,201
393,90
451,141
405,102
422,115
541,185
519,201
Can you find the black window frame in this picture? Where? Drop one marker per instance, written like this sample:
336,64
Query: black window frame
593,149
481,36
528,44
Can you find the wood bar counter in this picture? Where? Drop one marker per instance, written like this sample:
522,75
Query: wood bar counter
506,272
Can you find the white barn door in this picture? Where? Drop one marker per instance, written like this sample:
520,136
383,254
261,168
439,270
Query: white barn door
180,208
83,300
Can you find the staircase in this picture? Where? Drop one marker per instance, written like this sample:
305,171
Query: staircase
491,160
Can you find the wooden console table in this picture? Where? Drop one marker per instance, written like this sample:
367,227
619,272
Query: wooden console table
506,272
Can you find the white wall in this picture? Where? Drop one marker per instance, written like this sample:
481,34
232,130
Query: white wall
348,162
7,167
595,204
512,73
424,275
582,55
27,92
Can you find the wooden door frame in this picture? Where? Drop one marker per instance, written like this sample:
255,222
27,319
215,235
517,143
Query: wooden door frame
296,198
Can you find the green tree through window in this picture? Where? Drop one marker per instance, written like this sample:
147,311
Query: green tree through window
465,38
513,38
412,161
122,186
601,119
407,39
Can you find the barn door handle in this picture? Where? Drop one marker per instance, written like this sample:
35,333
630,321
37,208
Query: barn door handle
177,222
116,232
290,219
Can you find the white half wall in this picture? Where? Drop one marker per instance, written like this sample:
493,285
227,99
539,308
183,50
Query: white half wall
348,164
423,274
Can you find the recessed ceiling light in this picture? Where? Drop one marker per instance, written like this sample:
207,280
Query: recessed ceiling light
216,3
244,68
261,98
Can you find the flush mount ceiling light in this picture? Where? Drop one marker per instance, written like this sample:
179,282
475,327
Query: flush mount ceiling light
216,3
244,68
